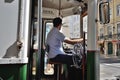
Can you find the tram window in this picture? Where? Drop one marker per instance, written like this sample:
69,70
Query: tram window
48,68
71,28
49,26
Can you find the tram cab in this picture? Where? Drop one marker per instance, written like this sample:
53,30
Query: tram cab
30,25
70,12
70,28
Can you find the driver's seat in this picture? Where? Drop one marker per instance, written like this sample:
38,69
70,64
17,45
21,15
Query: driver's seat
57,64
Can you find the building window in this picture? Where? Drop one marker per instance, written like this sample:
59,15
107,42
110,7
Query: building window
109,31
118,29
101,33
118,10
110,13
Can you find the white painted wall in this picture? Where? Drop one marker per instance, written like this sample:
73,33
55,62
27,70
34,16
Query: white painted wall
8,25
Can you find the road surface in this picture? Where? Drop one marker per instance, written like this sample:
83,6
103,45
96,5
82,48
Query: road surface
109,68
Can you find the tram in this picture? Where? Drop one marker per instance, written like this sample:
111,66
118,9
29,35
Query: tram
24,26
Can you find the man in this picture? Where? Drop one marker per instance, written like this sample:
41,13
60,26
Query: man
56,53
54,40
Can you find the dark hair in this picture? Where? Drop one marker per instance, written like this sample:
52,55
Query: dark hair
57,21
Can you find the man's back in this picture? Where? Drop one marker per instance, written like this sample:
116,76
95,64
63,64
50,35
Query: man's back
54,40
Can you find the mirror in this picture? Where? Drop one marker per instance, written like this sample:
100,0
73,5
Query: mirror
104,12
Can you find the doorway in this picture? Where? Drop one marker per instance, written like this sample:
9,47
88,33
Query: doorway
110,48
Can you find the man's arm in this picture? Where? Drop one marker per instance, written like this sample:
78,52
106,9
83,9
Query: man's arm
73,41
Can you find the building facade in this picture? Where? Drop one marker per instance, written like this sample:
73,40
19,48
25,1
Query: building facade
109,34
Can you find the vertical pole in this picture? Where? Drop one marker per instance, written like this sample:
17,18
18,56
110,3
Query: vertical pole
92,64
26,36
84,58
26,25
38,72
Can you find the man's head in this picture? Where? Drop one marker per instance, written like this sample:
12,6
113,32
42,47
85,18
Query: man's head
57,21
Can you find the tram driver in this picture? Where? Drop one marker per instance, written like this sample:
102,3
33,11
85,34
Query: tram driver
55,39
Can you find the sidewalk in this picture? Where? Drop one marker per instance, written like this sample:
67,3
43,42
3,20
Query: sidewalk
109,56
109,67
109,59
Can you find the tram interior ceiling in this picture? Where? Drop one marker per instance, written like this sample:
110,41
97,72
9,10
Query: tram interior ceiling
65,7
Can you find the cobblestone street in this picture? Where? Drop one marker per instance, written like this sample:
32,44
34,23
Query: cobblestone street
109,68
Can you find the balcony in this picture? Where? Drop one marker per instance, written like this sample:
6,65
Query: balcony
109,37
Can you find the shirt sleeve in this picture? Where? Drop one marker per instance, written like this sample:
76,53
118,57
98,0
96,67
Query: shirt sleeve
61,36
